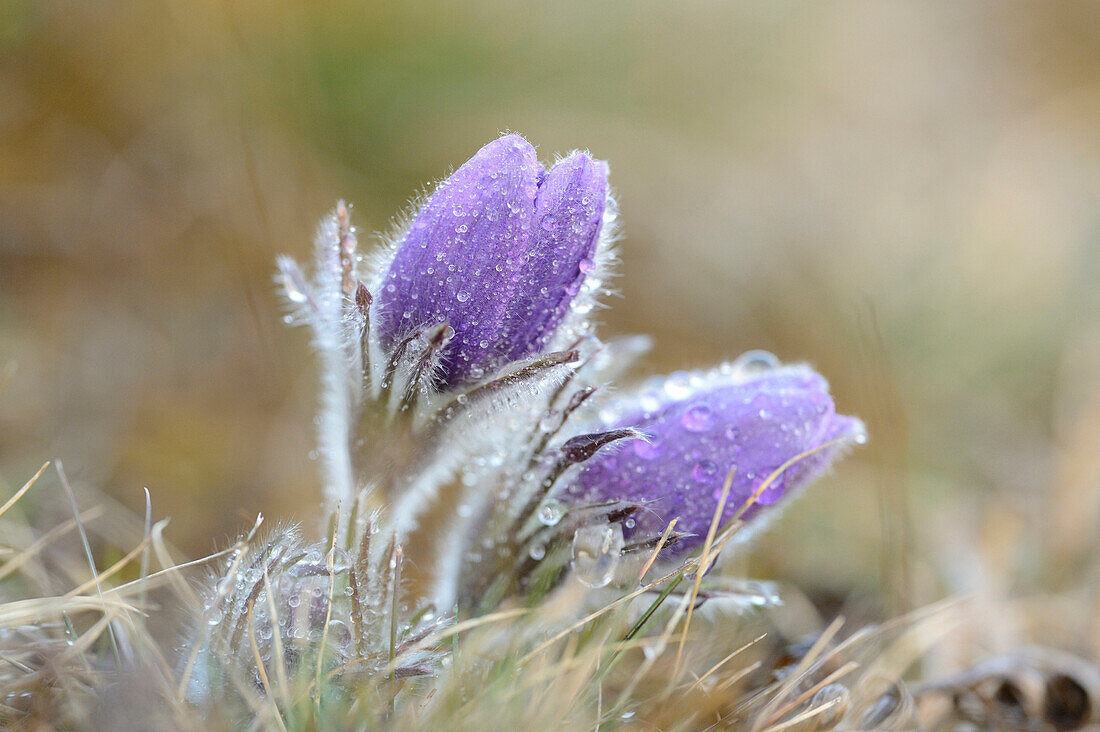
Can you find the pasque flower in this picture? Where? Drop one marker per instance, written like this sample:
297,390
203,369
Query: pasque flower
750,418
462,359
498,252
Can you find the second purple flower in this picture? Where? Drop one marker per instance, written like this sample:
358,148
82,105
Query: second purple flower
699,428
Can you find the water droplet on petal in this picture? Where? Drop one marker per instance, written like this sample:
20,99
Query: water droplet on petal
754,362
698,418
462,296
596,552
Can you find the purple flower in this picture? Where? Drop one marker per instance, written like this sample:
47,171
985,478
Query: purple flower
498,251
701,427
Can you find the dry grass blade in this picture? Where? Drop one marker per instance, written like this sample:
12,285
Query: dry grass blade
90,636
147,535
598,613
811,659
737,676
171,572
657,549
273,707
804,716
651,658
239,550
22,491
774,476
276,639
87,552
330,565
97,581
705,561
457,629
20,560
736,652
808,693
31,611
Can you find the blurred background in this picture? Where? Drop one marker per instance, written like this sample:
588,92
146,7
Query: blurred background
904,195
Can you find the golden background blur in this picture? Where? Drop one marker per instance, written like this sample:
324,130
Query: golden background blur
904,195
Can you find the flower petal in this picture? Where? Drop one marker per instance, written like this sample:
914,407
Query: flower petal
458,259
569,216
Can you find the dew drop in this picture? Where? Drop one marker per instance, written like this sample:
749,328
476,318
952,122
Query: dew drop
755,362
596,552
462,296
698,418
537,552
550,513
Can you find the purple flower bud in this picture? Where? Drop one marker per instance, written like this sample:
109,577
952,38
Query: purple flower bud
699,428
499,251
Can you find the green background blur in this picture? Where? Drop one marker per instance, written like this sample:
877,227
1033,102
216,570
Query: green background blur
903,194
